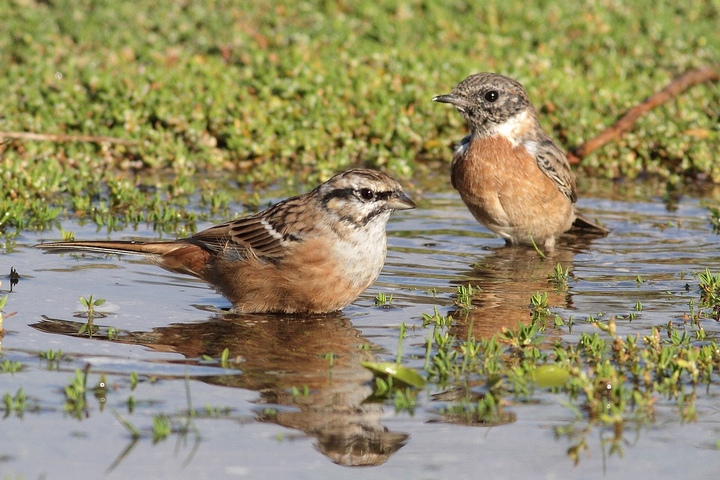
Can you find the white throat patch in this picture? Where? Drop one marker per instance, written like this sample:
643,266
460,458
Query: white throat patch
514,128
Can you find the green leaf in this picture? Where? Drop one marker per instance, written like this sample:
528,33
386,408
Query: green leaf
406,375
550,376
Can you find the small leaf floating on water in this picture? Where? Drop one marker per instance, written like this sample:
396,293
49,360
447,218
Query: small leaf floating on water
547,376
406,375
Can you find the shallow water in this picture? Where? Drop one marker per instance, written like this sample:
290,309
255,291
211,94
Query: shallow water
257,428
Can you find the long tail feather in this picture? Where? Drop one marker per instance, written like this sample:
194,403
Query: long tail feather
112,247
583,225
180,257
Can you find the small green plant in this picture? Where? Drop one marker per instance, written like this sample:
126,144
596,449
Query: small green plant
3,301
710,292
715,218
113,333
10,366
67,235
559,276
75,394
161,428
405,400
217,412
90,303
382,299
330,357
401,337
540,253
302,392
224,358
16,404
709,286
133,380
52,357
540,306
437,319
464,296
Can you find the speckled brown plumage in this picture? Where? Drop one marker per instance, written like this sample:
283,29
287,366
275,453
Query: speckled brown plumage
513,178
313,253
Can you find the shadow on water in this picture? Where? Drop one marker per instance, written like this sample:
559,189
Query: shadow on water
280,353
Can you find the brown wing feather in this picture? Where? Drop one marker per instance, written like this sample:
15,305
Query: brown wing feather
262,235
552,161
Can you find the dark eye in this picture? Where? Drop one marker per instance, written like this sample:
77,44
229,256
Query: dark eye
492,95
367,194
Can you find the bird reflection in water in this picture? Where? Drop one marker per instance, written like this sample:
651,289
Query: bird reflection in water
279,353
508,277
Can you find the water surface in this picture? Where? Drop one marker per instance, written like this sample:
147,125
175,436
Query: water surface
259,426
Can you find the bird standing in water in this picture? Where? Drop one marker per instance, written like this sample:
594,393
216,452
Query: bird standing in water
313,253
513,178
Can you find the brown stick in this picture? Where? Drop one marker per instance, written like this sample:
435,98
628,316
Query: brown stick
674,88
50,137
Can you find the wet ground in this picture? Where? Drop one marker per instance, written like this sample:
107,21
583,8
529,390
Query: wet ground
293,406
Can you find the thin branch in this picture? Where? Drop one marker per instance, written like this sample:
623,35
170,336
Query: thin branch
625,123
50,137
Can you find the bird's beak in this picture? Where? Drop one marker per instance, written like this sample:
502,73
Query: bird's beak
400,201
450,98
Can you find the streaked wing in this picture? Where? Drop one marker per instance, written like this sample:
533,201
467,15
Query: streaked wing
552,161
263,235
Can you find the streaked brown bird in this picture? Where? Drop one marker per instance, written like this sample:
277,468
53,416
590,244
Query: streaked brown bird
513,178
313,253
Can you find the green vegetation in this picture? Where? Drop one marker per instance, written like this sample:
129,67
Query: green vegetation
464,295
10,366
90,303
559,277
190,98
53,358
606,379
75,394
16,404
611,379
383,299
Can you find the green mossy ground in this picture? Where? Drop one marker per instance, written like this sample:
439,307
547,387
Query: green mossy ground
247,92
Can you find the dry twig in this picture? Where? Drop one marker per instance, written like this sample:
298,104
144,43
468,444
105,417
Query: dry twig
625,123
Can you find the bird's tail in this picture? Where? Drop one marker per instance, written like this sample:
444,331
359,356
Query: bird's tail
585,226
178,256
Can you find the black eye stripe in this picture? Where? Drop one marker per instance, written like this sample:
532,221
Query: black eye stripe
350,192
